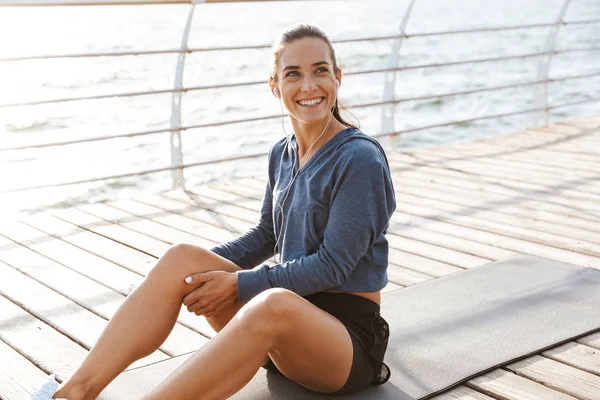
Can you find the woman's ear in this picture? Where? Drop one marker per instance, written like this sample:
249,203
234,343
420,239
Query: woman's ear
338,78
273,87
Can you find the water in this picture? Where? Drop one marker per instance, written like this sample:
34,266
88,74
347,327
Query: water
32,31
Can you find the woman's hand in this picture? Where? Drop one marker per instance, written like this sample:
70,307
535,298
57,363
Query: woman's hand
216,290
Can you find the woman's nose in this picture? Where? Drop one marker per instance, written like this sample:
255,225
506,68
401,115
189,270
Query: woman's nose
308,83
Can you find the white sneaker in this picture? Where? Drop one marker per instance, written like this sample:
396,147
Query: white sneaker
47,390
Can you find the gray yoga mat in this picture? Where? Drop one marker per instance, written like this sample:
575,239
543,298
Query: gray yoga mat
446,331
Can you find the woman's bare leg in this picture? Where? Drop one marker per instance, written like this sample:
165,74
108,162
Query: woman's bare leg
308,345
143,321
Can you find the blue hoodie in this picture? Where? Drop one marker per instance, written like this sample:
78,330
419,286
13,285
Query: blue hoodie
336,217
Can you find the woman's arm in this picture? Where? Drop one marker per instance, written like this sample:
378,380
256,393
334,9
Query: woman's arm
359,213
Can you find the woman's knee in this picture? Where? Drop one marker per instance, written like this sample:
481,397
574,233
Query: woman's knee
268,311
181,259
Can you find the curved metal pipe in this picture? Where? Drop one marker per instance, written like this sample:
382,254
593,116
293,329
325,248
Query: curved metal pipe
389,83
540,93
175,142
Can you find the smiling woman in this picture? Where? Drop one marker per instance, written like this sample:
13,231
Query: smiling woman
315,316
305,76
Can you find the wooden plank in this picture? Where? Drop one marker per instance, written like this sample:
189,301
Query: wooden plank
558,376
213,232
19,378
507,386
533,223
495,183
456,259
163,233
544,155
249,187
96,293
450,242
50,350
554,182
491,221
406,276
112,230
534,138
253,192
255,182
497,156
230,222
98,269
80,289
226,197
466,230
461,393
526,145
546,159
592,340
507,170
184,226
479,202
535,159
118,253
504,170
77,323
576,142
576,355
223,208
571,147
535,166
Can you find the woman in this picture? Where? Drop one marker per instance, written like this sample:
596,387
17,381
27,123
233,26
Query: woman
314,317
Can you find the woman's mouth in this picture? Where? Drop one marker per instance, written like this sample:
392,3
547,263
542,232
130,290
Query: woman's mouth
311,103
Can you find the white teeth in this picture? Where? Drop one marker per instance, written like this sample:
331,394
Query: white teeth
311,102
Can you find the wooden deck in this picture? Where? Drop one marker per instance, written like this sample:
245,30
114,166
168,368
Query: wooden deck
63,274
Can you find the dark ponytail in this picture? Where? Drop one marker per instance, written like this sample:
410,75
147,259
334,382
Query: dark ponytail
301,31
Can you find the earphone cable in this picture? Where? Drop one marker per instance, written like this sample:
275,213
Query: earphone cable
288,187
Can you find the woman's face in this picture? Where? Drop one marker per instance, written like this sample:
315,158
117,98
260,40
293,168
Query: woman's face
307,81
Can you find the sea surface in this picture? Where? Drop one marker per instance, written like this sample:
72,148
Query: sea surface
28,31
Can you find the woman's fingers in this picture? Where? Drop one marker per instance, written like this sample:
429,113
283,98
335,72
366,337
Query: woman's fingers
208,310
192,297
195,306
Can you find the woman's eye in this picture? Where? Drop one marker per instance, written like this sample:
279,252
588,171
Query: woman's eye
295,73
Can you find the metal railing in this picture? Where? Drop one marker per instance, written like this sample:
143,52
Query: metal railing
389,100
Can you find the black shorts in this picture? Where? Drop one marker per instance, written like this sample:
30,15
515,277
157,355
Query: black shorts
369,333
